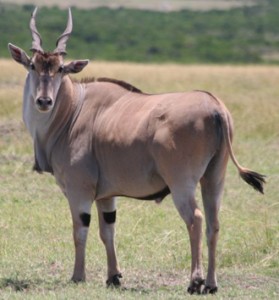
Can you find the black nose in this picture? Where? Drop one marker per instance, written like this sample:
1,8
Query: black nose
44,102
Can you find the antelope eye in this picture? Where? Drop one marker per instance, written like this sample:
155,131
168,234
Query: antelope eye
61,68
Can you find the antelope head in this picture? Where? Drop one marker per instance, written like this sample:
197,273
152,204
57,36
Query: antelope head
46,69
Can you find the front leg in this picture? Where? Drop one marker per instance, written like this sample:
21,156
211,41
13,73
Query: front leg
80,204
107,217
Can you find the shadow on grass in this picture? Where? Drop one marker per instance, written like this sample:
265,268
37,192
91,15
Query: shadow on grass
137,290
21,285
16,284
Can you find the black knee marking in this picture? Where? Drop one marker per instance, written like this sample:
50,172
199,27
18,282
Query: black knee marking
109,217
85,218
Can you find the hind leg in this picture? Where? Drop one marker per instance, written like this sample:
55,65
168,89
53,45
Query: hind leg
212,185
187,207
211,199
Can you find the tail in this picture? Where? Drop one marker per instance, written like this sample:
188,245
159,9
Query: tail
256,180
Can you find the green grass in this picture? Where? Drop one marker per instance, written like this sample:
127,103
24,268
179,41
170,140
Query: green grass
36,247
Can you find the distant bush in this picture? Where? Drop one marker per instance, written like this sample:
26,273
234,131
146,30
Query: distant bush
241,35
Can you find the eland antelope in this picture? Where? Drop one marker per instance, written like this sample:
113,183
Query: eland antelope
105,138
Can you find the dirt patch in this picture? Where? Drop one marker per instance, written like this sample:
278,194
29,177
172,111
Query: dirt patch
151,281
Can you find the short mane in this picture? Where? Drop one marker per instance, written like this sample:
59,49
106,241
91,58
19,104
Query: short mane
121,83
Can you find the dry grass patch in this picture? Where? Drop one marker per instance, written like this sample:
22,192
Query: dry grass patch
36,252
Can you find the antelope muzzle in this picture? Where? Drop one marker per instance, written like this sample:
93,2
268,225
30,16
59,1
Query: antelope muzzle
44,104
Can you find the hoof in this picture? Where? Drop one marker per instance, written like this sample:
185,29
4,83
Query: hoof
196,286
210,290
77,280
114,281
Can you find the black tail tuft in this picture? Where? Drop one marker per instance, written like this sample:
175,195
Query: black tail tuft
254,179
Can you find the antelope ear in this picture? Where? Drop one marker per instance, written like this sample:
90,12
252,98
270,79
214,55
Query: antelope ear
19,55
75,66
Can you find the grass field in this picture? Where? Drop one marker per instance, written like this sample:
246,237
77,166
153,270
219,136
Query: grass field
36,247
162,5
